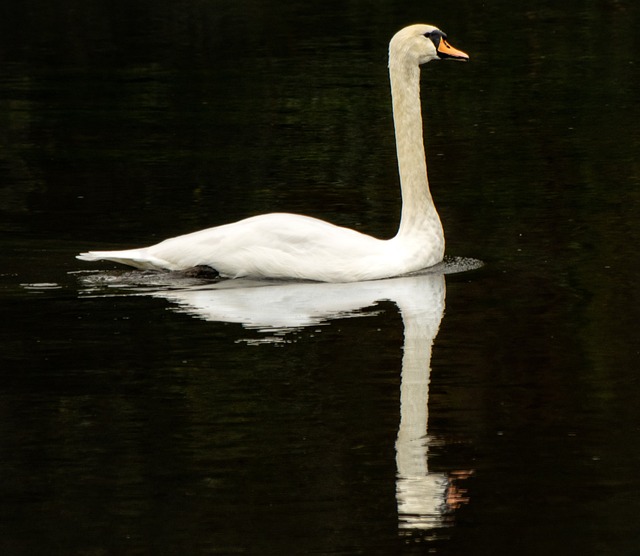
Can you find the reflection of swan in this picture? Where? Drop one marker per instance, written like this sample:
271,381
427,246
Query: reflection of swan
286,306
294,246
421,495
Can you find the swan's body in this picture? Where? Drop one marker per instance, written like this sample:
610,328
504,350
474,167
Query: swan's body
293,246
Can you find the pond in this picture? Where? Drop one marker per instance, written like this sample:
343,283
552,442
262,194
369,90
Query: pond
485,406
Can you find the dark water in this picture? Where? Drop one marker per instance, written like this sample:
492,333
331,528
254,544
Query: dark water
157,415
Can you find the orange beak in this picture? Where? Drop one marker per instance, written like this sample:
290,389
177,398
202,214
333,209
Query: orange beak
445,50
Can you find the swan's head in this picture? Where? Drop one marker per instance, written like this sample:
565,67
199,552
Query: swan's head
419,44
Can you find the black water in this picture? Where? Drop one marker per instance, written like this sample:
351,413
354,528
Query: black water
158,415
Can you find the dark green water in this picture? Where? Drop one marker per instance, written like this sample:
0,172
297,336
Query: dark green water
143,416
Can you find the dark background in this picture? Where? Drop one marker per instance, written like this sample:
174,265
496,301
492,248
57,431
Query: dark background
130,429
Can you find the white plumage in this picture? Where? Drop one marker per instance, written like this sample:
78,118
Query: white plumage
283,245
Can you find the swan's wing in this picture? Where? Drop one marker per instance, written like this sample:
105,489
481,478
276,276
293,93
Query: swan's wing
273,245
277,245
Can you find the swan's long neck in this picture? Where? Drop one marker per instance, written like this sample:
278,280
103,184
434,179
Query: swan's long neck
418,211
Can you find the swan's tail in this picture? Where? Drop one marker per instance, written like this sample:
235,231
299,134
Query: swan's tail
137,258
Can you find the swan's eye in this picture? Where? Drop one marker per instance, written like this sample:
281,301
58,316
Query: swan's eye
435,37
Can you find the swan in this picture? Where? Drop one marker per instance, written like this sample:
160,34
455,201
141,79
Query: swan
293,246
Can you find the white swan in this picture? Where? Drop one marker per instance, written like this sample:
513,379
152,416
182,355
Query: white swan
294,246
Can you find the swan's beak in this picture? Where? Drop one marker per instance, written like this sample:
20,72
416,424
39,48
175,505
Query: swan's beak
446,51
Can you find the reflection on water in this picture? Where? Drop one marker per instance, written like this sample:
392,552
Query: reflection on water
425,499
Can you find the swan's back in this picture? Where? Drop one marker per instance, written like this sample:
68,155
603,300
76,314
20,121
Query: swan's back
280,245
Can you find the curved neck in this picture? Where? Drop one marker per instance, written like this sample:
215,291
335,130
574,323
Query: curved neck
417,205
